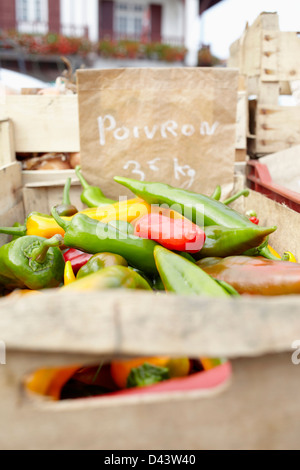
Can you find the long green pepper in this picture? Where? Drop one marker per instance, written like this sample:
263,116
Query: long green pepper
92,236
201,209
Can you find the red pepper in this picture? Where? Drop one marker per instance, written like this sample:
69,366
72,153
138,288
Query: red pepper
174,234
254,220
78,258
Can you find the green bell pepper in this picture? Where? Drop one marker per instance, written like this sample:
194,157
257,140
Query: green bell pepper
32,262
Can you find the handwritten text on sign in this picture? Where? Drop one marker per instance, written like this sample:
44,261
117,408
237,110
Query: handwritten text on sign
108,124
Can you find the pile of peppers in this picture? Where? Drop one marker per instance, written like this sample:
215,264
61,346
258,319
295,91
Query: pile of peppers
163,239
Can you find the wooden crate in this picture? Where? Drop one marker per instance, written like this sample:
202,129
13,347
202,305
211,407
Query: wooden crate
269,59
257,409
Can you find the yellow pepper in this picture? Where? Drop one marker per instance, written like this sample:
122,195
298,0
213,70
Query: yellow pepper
128,210
69,276
288,256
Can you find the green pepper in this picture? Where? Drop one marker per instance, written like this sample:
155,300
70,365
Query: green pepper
123,226
32,262
112,277
201,209
91,236
224,241
100,261
66,209
92,196
183,277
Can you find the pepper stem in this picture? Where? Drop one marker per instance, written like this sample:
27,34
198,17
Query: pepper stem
244,192
66,193
39,254
79,175
15,231
64,224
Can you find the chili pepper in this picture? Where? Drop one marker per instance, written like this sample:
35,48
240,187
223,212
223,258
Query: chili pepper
32,262
217,193
174,234
255,276
77,258
274,253
92,236
16,225
183,277
254,220
66,208
36,224
91,196
231,290
123,226
201,209
112,277
288,256
69,275
126,211
100,261
224,241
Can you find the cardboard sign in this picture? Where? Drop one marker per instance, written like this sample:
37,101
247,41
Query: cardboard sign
173,125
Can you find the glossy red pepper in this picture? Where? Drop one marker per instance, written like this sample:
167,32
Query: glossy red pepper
174,234
77,258
254,220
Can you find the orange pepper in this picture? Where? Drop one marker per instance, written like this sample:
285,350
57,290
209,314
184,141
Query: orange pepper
49,382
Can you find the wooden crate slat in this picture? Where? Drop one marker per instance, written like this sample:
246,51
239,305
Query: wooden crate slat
43,123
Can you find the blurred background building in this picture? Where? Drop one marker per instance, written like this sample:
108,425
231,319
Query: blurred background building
169,22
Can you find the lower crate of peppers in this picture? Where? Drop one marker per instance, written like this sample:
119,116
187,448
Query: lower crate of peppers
248,401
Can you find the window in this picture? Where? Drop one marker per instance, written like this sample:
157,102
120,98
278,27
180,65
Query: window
32,16
129,19
38,10
23,10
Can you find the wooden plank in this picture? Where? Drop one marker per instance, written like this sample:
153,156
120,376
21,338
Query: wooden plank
40,177
268,93
42,198
269,56
277,128
271,213
10,186
43,123
110,325
242,121
288,56
246,415
7,151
